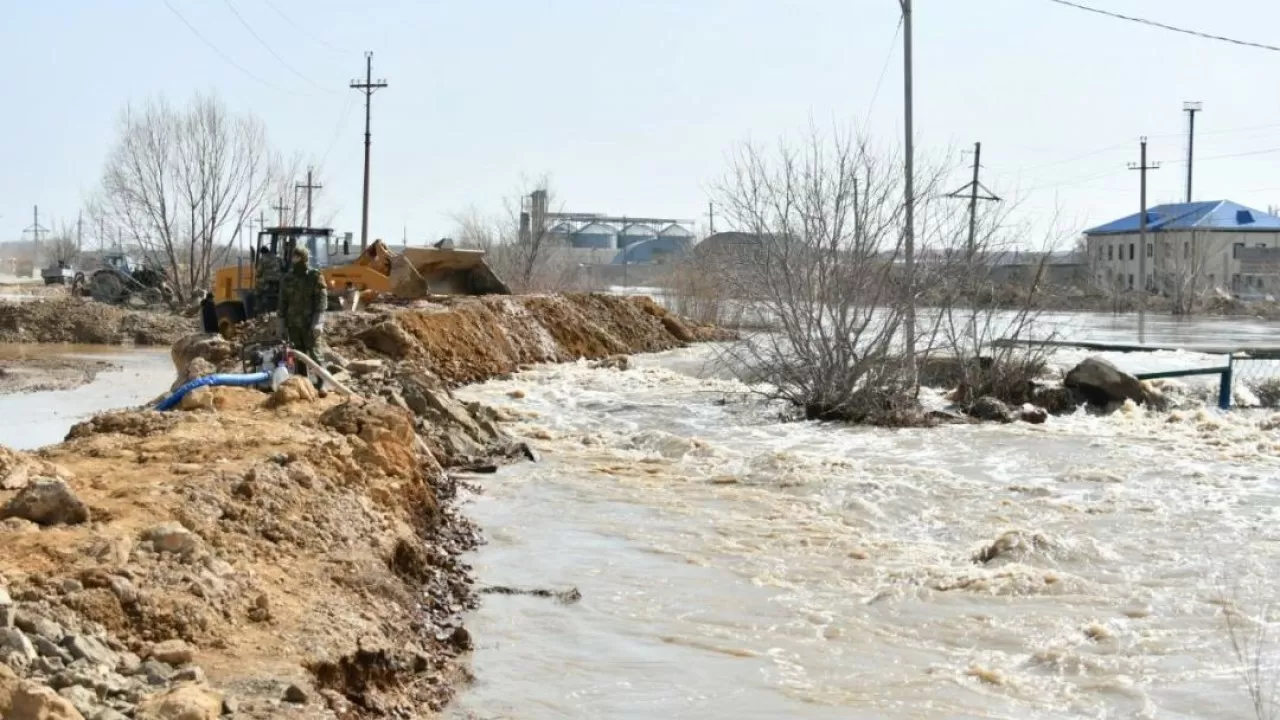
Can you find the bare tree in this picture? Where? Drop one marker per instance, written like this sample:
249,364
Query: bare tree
521,244
821,229
182,183
62,246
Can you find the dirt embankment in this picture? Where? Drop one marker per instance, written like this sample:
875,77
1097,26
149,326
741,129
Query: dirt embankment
282,556
85,322
39,374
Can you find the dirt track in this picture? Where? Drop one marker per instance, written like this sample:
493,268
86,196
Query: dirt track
284,556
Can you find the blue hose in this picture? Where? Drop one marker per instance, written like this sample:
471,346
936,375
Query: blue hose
235,379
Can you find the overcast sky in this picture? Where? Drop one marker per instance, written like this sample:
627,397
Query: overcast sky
631,105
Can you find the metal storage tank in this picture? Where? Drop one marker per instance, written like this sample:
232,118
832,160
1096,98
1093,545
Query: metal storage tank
657,250
595,235
635,233
678,233
559,233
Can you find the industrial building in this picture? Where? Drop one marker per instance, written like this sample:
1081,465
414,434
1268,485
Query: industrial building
1201,246
608,239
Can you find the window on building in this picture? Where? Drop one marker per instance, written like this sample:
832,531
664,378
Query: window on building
1186,250
1111,252
1150,249
1235,282
1262,245
1130,278
1235,250
1130,251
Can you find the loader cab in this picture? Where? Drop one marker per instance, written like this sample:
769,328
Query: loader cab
282,241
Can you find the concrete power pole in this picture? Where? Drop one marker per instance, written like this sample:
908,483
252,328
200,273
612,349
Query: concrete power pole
909,194
309,186
280,209
368,87
1142,167
971,192
1191,108
79,231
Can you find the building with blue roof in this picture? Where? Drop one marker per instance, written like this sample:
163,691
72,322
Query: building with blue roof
1191,247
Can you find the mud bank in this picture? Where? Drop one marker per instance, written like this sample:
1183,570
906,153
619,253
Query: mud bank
43,374
81,321
282,556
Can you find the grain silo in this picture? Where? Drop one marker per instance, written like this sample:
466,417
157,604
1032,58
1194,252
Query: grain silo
596,236
635,233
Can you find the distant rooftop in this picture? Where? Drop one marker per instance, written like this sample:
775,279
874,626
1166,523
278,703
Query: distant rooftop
1212,215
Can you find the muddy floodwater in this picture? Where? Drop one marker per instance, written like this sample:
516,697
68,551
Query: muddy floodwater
130,377
733,566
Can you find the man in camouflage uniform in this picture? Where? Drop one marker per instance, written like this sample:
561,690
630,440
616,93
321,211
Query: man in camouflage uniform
303,301
268,271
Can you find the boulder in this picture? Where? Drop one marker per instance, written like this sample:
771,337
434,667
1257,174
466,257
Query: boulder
12,639
1032,414
84,700
197,368
172,537
187,702
989,408
38,702
613,362
364,367
9,683
47,501
173,652
210,346
83,647
390,339
1102,383
294,390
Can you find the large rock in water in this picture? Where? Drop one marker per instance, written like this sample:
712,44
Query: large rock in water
1102,383
210,346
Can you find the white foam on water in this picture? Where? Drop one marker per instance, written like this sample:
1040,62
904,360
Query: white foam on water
756,568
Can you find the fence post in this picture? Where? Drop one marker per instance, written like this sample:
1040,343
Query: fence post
1224,390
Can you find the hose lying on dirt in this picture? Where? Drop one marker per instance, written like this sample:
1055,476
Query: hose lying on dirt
324,374
235,379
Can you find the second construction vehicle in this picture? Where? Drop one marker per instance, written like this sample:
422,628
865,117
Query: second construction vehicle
415,272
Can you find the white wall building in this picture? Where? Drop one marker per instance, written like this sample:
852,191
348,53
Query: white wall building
1191,247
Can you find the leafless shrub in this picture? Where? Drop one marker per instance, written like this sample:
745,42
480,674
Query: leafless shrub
62,247
181,183
994,342
1251,640
822,223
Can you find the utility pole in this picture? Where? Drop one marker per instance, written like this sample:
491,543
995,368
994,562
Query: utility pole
368,87
971,190
79,230
1191,108
1142,167
309,187
280,209
35,230
909,193
711,216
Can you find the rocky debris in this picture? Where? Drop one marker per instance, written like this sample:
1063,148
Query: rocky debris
173,652
187,702
212,348
17,468
990,409
47,501
172,537
364,367
37,702
613,362
83,647
1055,397
1013,545
77,320
294,390
138,423
1101,384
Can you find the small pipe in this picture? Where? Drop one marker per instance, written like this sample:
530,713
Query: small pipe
324,374
233,379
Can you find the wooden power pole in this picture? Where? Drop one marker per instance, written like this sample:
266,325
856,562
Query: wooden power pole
368,87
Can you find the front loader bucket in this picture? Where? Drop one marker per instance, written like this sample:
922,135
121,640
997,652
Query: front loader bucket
406,281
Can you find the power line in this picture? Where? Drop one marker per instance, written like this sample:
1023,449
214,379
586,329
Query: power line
337,132
270,49
883,69
301,30
221,54
1163,26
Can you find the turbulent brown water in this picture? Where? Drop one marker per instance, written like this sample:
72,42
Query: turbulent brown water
732,566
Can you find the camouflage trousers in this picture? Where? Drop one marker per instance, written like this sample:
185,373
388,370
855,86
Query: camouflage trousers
305,340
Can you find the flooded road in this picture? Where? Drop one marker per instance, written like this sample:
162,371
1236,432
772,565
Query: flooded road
30,420
732,566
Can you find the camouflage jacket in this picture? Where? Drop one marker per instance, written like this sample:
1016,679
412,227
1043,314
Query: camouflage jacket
268,270
303,298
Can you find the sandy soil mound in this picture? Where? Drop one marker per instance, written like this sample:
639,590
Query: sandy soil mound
81,321
286,555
